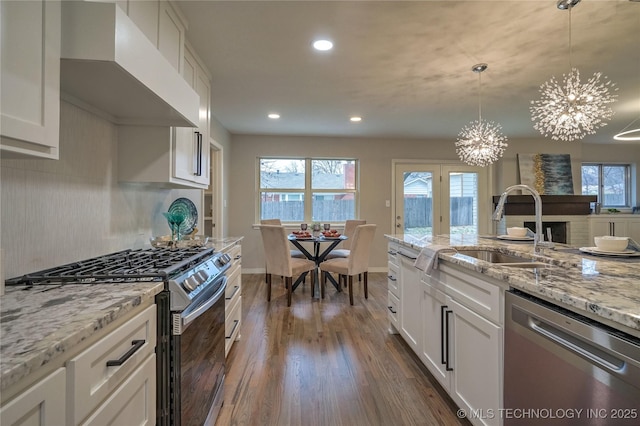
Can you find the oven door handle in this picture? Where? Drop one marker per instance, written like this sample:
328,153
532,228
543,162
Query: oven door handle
192,315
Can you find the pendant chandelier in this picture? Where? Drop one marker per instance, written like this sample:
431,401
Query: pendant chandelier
480,143
629,135
572,110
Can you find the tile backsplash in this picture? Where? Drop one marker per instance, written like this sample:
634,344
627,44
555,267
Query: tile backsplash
60,211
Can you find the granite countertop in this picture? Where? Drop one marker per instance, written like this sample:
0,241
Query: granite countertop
222,244
39,324
602,287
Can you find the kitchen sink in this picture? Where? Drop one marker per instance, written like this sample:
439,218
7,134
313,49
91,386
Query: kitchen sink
502,259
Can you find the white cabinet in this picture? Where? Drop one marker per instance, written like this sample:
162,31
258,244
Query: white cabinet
620,225
133,403
171,35
111,381
170,156
41,404
474,359
30,92
114,379
452,320
434,306
145,15
233,298
162,23
410,295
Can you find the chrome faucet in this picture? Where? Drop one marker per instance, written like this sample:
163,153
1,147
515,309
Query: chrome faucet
538,240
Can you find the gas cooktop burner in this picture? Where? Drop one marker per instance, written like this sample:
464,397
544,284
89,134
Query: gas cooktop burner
155,264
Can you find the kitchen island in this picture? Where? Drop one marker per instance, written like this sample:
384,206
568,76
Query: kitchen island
459,317
601,288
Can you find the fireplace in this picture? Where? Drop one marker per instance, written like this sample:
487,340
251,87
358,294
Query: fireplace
558,230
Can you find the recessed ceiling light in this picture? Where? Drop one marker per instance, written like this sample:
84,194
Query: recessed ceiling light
322,45
356,119
274,116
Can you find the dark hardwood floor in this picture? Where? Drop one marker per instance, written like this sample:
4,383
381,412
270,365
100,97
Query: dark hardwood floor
324,362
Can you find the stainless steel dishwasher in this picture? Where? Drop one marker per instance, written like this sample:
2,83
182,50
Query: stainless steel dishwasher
561,368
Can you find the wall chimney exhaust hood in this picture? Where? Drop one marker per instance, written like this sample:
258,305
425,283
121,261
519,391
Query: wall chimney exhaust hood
108,64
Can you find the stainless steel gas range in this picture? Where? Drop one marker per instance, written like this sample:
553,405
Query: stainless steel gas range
190,349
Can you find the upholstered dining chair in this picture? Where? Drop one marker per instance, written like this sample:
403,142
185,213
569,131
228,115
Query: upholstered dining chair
357,262
294,253
279,262
345,246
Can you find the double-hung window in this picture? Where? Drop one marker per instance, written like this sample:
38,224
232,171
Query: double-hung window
610,182
308,189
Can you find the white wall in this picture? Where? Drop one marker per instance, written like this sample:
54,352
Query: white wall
59,211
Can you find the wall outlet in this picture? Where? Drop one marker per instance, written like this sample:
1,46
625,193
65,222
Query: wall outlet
387,203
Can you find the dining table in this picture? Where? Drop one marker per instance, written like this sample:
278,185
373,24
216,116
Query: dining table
318,255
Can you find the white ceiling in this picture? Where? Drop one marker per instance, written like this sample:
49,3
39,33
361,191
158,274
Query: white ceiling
405,66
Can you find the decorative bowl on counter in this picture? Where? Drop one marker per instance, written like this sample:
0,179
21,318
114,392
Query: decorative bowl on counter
613,244
517,231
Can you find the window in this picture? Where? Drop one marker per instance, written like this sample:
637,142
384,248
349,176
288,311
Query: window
610,182
308,189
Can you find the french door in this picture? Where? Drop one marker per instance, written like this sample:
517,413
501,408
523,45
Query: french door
433,199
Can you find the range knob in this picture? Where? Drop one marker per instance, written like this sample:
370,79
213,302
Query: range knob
224,259
191,283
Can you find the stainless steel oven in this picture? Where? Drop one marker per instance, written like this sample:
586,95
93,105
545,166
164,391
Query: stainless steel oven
190,345
197,358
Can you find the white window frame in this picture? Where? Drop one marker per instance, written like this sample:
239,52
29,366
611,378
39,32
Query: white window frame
308,191
627,181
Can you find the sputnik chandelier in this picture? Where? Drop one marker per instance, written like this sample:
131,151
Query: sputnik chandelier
480,143
573,110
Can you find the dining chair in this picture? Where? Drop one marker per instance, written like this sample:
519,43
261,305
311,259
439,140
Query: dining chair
349,229
279,262
294,253
357,262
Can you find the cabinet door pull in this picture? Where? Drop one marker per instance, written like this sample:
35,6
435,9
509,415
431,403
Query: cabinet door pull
198,157
407,256
443,356
199,154
137,344
447,367
233,330
235,290
391,309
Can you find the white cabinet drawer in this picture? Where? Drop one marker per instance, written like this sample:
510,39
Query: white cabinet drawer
392,253
471,291
393,306
392,279
236,254
232,325
232,292
90,380
41,404
133,403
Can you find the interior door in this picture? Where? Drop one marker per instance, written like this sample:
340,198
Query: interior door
433,199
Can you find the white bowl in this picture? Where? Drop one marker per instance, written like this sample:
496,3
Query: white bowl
614,244
517,231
